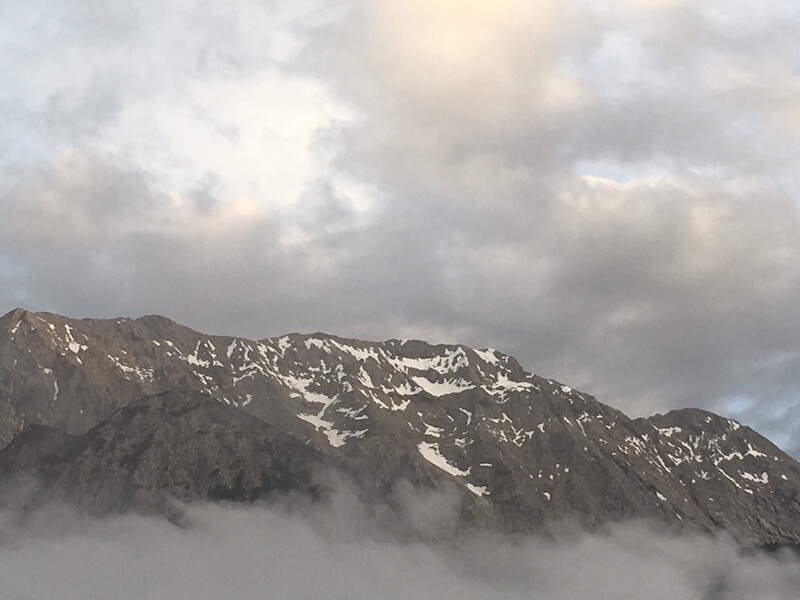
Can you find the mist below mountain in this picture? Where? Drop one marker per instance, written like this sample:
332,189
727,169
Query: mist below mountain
342,549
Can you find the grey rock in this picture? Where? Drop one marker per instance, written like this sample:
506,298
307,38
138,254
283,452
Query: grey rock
175,446
527,452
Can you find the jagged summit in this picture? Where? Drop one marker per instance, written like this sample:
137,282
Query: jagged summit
525,450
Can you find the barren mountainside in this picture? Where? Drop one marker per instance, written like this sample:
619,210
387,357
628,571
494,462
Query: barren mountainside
524,451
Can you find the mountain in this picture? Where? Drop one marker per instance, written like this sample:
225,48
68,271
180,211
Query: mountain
172,446
525,451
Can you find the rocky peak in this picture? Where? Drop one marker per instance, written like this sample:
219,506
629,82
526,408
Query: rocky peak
525,450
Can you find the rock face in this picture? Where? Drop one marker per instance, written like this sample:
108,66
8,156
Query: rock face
175,445
526,451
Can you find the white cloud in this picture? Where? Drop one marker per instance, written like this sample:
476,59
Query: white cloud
341,551
184,90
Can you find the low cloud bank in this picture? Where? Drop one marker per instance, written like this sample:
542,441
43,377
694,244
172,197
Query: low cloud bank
342,550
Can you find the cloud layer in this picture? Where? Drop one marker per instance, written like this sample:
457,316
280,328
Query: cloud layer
340,551
608,191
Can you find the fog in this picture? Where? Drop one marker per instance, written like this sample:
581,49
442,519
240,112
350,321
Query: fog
341,550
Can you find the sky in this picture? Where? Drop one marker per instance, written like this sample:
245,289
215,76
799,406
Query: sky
608,191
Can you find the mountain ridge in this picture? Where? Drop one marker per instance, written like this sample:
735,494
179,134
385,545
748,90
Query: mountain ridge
525,450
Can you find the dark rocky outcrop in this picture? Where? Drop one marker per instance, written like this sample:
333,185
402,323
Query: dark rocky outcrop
173,446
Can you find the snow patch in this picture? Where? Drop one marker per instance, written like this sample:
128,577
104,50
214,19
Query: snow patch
439,389
401,406
668,431
432,431
406,389
128,371
763,478
753,452
336,438
503,385
430,452
489,355
314,343
478,490
365,378
360,354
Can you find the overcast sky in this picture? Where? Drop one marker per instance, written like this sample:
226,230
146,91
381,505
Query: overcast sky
607,190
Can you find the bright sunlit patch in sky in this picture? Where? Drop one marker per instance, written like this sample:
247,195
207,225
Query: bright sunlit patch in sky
176,97
620,173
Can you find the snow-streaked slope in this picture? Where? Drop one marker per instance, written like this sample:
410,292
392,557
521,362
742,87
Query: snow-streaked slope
427,412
